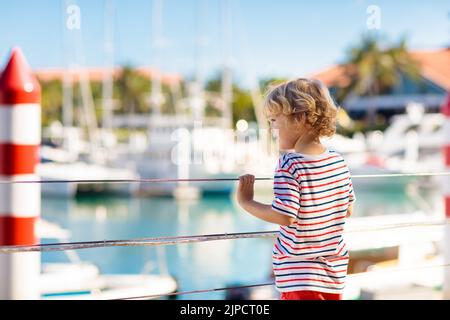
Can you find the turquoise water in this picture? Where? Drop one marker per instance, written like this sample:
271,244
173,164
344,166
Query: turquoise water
196,266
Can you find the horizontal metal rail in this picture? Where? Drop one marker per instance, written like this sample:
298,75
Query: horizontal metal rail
189,239
160,180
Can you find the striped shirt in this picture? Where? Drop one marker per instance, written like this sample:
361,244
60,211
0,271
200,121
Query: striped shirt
316,190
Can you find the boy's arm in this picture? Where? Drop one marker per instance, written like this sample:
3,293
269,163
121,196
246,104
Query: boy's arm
266,213
349,210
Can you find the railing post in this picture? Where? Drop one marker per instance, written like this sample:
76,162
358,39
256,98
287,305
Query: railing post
446,193
20,137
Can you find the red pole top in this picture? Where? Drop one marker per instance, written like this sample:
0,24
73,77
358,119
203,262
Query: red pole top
17,82
445,109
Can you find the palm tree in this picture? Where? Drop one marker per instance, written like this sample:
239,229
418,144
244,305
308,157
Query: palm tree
374,70
242,105
51,101
131,89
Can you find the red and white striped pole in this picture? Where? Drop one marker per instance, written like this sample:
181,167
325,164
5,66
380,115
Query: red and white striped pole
20,137
445,110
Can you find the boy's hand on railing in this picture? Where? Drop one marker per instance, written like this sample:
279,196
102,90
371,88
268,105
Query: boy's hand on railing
245,189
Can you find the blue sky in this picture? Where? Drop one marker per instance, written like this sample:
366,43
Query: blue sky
269,38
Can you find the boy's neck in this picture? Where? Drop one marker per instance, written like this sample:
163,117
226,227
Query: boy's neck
309,146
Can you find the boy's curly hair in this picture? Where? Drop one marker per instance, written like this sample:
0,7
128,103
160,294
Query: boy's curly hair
305,101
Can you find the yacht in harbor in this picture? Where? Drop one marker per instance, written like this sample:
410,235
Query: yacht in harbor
411,144
64,155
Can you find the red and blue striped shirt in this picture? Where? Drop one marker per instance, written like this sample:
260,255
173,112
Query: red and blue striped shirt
316,190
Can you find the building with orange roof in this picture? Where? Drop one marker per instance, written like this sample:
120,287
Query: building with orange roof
430,91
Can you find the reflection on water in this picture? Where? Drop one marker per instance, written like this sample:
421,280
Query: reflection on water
203,265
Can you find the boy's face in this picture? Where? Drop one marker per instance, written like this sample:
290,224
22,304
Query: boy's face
287,133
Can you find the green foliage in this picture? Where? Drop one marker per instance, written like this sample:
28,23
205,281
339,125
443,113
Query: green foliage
242,103
132,90
265,84
131,95
375,67
51,96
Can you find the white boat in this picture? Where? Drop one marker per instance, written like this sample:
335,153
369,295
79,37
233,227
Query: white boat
419,250
413,142
67,158
362,161
81,280
175,148
54,171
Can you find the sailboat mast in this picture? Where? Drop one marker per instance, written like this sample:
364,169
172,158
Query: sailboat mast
107,88
198,96
156,93
227,80
67,99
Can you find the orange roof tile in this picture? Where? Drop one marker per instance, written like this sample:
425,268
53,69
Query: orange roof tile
335,76
97,74
435,66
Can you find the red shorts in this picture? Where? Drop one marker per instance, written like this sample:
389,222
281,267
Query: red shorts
310,295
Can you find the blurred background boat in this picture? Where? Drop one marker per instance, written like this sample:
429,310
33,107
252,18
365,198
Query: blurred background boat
79,280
